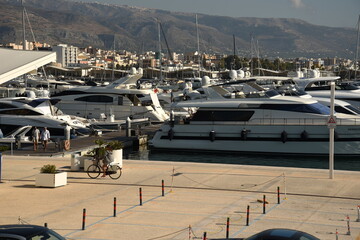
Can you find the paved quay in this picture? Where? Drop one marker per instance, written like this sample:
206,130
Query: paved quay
197,198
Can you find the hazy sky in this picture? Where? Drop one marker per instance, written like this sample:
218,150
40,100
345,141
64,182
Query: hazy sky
334,13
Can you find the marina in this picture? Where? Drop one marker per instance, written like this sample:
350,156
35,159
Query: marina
101,138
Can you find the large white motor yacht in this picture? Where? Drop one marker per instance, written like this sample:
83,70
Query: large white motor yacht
272,125
21,111
116,99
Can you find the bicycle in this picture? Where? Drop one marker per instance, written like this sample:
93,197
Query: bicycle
113,170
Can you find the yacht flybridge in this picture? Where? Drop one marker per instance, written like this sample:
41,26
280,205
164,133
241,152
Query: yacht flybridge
275,125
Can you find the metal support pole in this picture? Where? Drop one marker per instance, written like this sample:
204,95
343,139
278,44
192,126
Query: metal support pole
114,206
162,188
278,194
264,204
348,225
247,215
227,227
331,125
140,196
358,210
84,219
0,167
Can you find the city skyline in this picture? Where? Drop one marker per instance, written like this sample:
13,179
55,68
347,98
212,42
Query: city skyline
331,13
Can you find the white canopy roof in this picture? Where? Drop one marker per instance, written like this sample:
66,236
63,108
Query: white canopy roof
15,63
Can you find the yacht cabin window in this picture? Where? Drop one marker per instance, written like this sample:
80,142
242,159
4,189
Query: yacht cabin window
19,112
6,105
222,115
95,98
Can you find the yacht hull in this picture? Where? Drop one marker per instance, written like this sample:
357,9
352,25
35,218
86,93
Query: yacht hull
304,140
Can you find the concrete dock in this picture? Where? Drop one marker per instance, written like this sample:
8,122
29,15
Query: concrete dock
197,198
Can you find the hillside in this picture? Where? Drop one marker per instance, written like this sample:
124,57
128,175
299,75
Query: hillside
83,24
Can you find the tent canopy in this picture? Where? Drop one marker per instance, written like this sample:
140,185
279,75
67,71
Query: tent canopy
15,63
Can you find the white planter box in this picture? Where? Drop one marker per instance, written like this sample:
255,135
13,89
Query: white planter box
118,157
51,179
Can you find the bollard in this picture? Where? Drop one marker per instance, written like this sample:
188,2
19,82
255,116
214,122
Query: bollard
227,227
358,209
83,220
247,215
189,232
128,127
337,234
204,237
140,196
114,206
348,225
278,194
45,225
264,204
162,188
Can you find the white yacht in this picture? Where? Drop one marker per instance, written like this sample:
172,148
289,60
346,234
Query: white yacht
117,98
271,125
321,88
22,111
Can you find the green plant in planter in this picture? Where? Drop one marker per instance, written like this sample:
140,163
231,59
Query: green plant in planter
49,168
99,152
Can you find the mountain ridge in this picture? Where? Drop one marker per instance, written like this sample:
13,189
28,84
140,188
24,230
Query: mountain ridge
95,24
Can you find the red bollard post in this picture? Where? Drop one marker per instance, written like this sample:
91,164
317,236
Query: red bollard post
264,204
278,194
140,195
348,225
114,206
45,225
204,237
162,188
84,218
247,215
227,227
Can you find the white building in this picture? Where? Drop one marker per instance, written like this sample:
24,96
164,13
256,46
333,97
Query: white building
65,54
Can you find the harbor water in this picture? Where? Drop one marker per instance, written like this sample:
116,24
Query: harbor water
298,161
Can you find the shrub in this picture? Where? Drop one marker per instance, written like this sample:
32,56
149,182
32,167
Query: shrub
48,169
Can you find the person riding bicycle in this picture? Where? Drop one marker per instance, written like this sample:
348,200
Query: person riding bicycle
107,159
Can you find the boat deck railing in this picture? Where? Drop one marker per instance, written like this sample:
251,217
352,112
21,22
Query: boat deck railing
282,121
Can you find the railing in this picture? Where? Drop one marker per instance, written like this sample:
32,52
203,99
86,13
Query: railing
282,121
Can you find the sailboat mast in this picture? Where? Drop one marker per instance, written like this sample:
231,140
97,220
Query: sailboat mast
159,30
113,62
198,43
23,24
357,48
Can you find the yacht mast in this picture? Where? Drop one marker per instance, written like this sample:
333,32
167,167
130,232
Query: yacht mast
198,43
23,24
357,48
159,30
113,63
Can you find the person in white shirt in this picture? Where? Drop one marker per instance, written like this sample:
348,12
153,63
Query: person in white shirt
45,137
35,137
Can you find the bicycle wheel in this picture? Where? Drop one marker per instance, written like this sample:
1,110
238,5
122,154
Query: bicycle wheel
93,171
114,172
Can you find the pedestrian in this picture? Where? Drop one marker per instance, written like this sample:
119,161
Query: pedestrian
45,137
109,158
35,137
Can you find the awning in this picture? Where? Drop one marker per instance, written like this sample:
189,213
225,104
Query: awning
15,63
